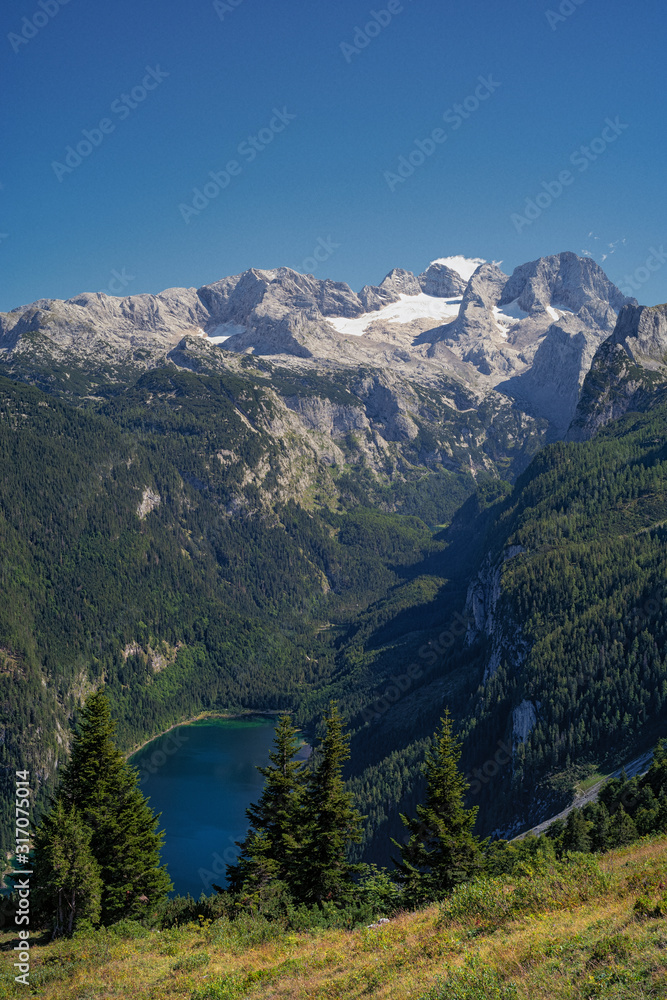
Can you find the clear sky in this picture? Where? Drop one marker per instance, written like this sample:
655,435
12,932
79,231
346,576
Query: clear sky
328,131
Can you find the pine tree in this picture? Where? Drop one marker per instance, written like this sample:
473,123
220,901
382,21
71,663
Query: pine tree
441,850
124,838
576,833
66,876
597,815
331,822
270,851
622,829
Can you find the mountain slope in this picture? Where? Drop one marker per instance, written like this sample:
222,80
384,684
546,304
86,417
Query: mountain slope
162,552
629,371
570,930
567,609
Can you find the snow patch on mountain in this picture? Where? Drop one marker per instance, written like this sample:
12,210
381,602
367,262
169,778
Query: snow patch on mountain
407,309
513,311
223,331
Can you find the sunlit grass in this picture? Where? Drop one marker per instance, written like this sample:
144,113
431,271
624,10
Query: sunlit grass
593,779
580,937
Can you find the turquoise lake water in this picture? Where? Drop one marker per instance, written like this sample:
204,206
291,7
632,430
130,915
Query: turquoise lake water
203,778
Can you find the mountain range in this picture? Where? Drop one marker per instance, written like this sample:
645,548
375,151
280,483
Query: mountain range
461,323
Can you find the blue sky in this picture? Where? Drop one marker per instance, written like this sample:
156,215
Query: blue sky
315,119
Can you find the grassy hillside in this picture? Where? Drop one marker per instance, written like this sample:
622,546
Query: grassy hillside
591,927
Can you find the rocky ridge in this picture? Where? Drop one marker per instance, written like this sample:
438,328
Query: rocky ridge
628,372
528,337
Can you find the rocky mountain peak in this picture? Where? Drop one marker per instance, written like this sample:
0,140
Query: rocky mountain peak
642,332
565,281
461,319
441,281
400,282
628,371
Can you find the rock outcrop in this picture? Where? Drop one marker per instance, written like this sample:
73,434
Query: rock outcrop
441,281
628,371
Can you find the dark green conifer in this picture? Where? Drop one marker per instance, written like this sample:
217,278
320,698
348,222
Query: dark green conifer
271,850
622,829
597,815
67,882
331,822
442,849
124,838
576,834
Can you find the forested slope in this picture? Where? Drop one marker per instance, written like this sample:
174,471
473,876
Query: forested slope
190,542
563,668
121,561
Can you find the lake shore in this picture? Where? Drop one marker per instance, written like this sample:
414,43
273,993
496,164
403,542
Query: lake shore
203,717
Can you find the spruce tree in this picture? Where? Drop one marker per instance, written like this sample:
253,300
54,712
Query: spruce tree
271,850
441,850
622,829
124,838
331,822
576,835
68,887
597,815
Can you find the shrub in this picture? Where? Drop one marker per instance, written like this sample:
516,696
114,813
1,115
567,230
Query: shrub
191,962
128,929
645,907
181,910
611,947
379,891
231,987
227,988
327,914
541,885
472,984
45,974
243,932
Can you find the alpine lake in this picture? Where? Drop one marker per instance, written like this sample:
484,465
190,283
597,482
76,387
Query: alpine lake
201,777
